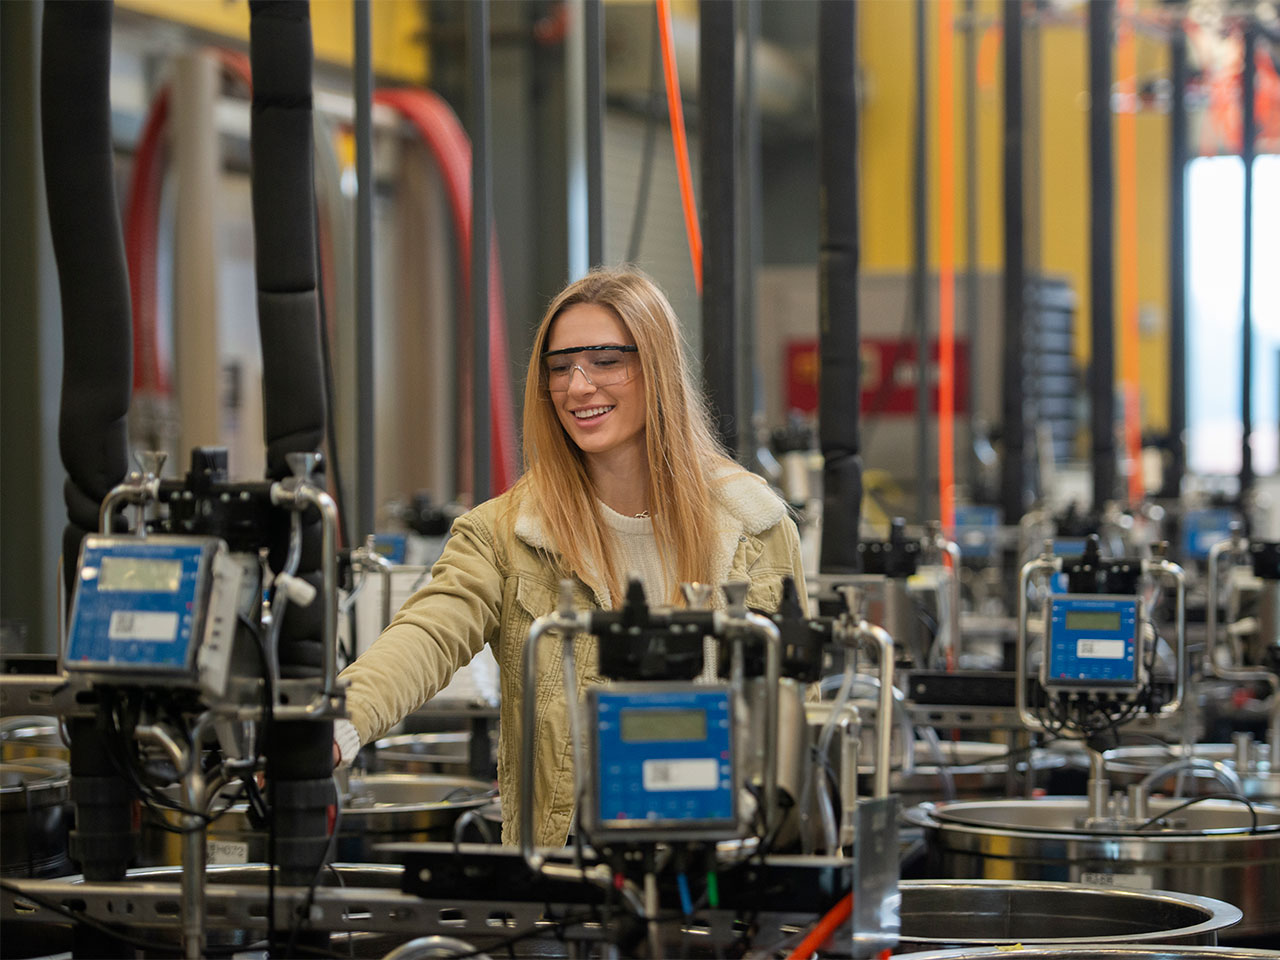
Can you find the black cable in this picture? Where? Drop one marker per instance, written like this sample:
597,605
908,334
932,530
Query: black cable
1238,798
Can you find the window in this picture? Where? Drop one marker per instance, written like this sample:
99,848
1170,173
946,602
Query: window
1215,284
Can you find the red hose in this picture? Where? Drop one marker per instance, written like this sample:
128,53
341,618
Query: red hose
440,129
675,110
821,933
141,226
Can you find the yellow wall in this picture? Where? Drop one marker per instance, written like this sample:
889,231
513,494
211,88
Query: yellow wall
397,28
886,45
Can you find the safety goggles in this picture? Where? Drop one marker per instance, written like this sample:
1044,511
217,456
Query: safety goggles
601,366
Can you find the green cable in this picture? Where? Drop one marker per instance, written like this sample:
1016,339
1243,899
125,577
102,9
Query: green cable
713,891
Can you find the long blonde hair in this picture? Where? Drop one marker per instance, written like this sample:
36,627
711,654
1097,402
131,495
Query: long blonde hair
684,455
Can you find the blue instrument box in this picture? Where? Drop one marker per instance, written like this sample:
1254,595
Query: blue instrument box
1093,640
140,604
662,762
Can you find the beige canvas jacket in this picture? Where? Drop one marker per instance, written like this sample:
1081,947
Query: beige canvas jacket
489,587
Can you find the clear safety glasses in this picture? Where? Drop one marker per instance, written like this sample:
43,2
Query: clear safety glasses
602,366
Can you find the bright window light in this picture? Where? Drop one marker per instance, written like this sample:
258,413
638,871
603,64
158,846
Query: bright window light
1215,284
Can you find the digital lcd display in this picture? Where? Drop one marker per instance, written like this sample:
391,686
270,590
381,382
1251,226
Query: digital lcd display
650,726
138,575
1108,620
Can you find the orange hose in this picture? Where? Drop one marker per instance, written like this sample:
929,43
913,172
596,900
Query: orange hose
676,111
1127,229
821,933
946,268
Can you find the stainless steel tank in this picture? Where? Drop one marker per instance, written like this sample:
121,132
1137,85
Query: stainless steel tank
1128,765
35,817
1213,849
970,770
22,738
969,913
423,753
377,809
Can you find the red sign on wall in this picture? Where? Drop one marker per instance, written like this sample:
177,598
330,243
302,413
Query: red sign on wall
888,376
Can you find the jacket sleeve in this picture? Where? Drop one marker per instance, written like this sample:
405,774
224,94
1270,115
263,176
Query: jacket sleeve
439,629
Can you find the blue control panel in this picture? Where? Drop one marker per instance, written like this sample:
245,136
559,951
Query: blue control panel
1203,528
662,760
977,527
1093,641
139,603
393,546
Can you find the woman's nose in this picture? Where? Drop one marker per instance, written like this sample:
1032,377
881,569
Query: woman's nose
580,384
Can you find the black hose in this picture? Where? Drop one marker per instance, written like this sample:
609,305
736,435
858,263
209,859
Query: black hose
84,222
284,229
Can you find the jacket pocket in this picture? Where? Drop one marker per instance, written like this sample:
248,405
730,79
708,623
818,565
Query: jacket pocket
765,593
537,598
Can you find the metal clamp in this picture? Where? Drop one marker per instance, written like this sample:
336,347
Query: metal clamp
139,488
298,493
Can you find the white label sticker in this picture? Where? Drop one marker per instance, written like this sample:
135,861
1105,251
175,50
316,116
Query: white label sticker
690,774
226,851
1129,881
140,625
1100,649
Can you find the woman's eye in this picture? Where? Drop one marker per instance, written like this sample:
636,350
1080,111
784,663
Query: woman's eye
605,362
556,369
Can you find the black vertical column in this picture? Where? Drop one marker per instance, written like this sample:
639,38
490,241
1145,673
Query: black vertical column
1177,263
1101,279
751,203
1248,79
366,508
481,218
972,326
920,259
839,400
718,122
1013,481
593,37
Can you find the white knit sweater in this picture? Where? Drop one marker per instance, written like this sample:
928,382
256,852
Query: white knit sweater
637,554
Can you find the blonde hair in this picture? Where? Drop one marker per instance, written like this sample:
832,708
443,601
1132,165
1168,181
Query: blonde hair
683,453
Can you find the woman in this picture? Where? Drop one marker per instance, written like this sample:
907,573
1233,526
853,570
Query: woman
623,476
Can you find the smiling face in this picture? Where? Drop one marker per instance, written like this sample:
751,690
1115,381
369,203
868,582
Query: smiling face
603,420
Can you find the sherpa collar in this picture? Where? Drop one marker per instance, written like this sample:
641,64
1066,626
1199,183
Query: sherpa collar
745,506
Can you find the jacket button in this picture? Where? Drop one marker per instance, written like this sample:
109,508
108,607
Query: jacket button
742,539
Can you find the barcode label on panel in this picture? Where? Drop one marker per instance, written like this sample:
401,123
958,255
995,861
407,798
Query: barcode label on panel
691,774
1100,649
137,625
